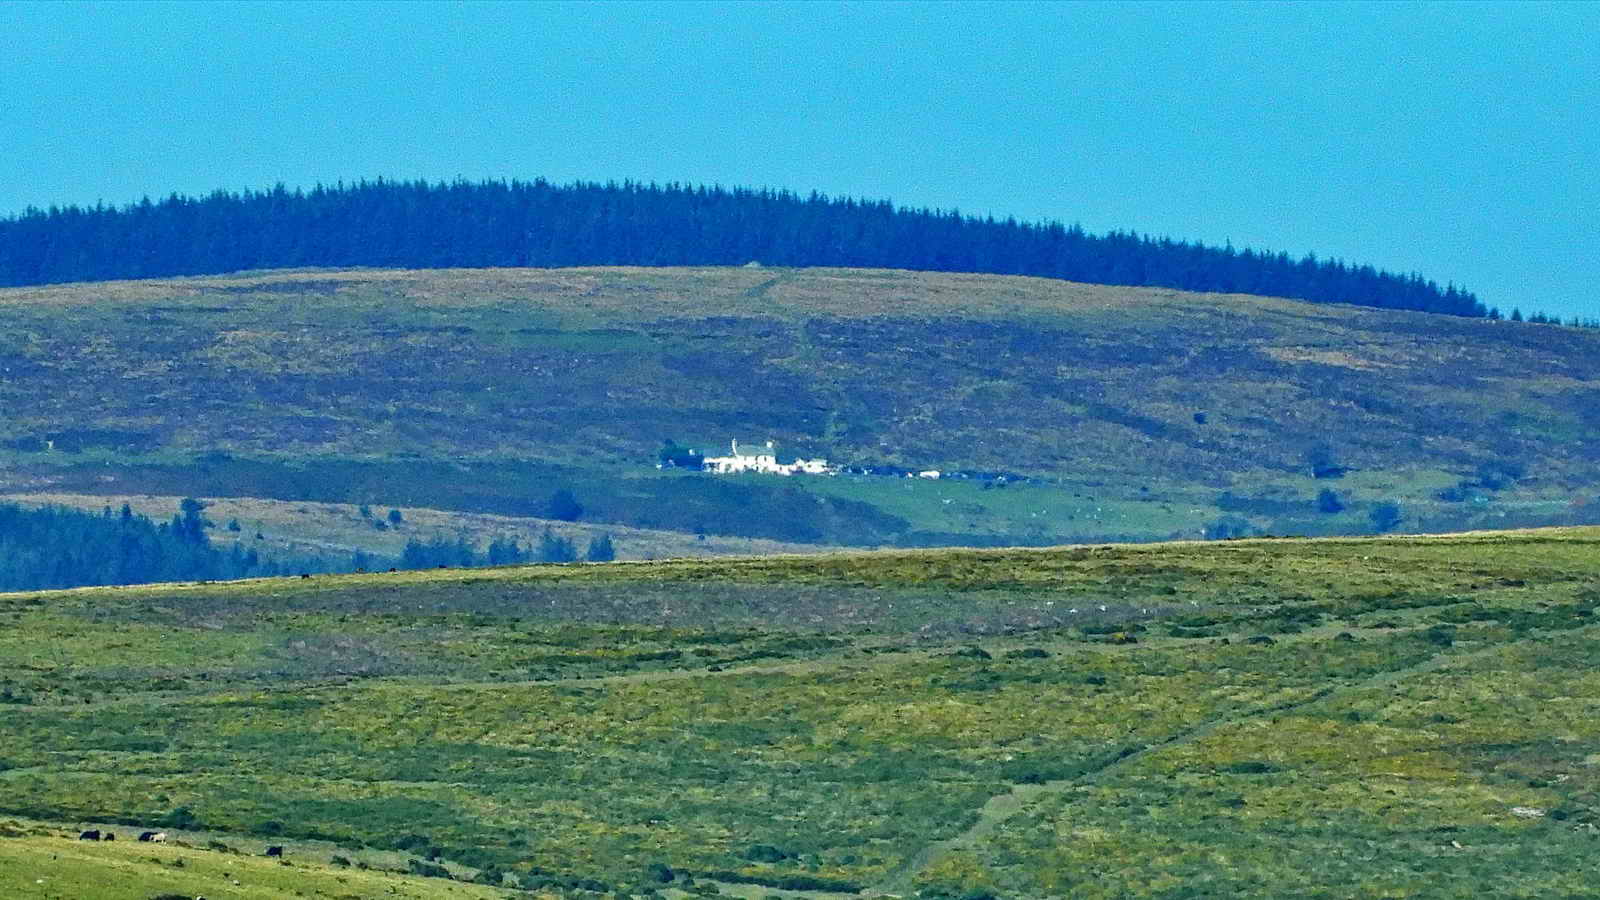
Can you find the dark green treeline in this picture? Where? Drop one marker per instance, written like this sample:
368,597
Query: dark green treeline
496,223
55,547
61,548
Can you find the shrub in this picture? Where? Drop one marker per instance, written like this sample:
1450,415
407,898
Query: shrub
1028,653
660,872
1229,527
412,841
564,506
765,853
1249,767
428,870
491,876
341,861
181,817
1328,502
1385,516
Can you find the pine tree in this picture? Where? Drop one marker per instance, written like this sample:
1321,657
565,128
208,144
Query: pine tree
600,549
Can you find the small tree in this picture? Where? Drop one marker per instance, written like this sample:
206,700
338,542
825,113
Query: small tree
564,506
1328,502
1229,527
395,518
366,511
556,549
600,549
505,551
191,527
1385,516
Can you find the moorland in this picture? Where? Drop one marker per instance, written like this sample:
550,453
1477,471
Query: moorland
1385,716
1117,413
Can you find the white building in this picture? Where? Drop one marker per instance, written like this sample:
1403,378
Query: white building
763,461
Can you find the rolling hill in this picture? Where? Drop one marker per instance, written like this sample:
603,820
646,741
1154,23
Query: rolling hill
1117,412
1392,716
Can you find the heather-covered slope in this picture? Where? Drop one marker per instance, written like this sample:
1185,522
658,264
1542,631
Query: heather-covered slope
1137,412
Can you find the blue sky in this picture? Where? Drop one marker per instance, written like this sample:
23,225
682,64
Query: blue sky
1461,141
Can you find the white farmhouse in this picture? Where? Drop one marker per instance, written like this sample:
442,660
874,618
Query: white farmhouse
764,461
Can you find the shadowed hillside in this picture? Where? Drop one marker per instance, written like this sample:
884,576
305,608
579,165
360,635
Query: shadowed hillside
1134,412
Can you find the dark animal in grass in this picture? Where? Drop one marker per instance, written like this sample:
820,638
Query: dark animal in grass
304,575
109,836
91,835
147,835
274,851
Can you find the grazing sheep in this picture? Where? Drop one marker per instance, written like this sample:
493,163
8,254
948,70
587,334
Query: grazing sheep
159,837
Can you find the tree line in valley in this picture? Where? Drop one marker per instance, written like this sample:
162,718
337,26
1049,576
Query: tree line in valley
415,224
56,547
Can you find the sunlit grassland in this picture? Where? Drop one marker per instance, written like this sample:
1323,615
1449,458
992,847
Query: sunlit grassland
1253,718
1478,778
48,864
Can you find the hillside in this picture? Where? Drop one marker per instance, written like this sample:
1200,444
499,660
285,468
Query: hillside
1137,413
1321,718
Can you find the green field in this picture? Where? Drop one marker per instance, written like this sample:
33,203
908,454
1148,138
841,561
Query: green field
1396,716
1140,414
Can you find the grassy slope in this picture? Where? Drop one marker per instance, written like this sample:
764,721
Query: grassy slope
585,721
484,390
43,863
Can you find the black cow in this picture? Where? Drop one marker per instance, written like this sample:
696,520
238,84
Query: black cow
274,851
92,835
110,836
147,836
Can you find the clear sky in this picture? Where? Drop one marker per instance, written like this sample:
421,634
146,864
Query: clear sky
1459,141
